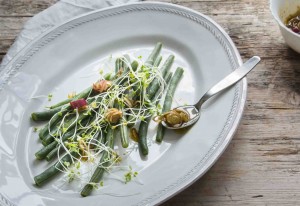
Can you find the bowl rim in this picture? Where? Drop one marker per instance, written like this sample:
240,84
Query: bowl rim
279,21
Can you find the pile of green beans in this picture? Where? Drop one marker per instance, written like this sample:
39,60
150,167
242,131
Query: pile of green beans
75,122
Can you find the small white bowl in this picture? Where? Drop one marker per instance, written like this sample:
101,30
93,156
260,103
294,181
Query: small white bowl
281,9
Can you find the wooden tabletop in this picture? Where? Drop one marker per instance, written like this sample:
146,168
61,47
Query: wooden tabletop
261,166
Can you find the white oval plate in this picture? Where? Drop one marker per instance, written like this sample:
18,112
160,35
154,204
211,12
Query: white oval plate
68,57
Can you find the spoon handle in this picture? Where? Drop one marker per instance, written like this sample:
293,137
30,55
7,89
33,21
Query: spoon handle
229,80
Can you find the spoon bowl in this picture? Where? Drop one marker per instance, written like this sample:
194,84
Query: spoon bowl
193,111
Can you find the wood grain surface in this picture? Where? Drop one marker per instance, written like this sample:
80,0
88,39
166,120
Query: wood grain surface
261,166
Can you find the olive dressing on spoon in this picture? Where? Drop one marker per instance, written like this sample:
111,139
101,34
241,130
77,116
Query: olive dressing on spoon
184,116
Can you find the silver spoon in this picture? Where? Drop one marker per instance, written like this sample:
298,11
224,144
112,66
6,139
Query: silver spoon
193,111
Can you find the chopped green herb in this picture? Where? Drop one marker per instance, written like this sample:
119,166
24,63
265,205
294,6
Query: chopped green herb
67,164
128,177
158,106
50,97
77,165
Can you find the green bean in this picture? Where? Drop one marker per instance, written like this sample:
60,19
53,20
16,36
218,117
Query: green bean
54,169
59,107
135,87
42,153
117,65
124,135
48,138
53,121
157,61
143,128
100,138
122,78
154,85
137,97
56,119
168,101
45,151
121,64
167,78
152,60
44,131
142,141
63,102
83,94
134,65
103,164
68,124
48,114
167,65
125,61
123,130
154,54
51,153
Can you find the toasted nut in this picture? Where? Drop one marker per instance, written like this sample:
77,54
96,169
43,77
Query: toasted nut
113,115
101,86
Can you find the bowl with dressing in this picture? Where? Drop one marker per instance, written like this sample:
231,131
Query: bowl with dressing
287,15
